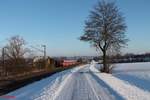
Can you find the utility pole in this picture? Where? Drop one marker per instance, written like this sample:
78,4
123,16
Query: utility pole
44,46
3,61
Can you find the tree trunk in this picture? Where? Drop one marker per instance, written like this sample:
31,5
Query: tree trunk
105,67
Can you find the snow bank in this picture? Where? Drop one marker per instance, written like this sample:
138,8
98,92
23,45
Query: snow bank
128,91
94,66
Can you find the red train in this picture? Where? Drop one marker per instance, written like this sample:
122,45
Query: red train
65,63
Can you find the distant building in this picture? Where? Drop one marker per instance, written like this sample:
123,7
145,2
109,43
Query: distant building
39,62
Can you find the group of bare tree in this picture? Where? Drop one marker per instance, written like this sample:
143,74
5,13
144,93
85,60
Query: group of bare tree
130,57
15,50
105,30
13,56
16,58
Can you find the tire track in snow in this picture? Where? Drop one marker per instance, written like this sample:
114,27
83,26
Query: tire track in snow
82,86
99,90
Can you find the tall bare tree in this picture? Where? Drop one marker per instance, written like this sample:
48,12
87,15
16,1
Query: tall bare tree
15,50
105,29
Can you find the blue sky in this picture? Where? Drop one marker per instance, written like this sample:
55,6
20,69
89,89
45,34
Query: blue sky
59,23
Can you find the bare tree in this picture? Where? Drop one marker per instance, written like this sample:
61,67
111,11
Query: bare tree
15,50
105,29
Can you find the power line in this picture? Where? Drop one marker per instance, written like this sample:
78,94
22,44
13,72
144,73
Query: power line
37,49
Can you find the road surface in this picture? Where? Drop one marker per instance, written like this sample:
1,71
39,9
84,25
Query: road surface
83,86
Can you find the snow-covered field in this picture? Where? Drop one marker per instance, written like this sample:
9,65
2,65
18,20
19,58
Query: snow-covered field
127,82
127,86
137,74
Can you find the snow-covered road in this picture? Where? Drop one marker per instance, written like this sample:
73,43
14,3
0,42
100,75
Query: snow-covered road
80,87
80,83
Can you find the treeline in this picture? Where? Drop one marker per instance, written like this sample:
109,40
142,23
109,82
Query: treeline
131,58
126,58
